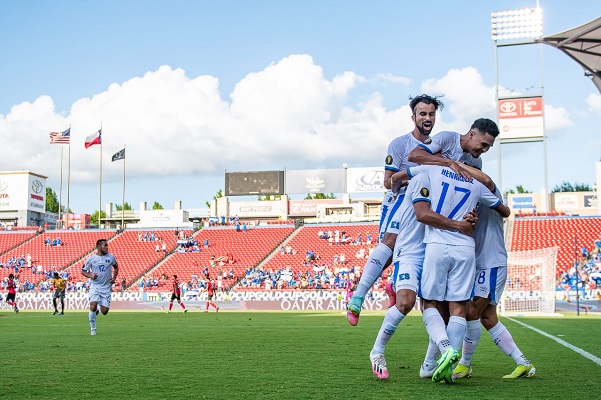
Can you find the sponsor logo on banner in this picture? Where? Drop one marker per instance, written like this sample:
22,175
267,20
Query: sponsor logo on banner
315,183
590,200
37,186
3,185
521,118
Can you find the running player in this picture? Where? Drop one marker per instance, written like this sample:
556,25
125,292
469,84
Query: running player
491,274
60,287
408,260
176,295
209,289
423,109
11,297
97,267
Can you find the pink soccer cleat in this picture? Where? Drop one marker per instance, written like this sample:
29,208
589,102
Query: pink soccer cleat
391,294
378,366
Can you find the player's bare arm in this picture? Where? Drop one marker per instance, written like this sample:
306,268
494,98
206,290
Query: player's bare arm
479,176
426,216
115,273
89,274
421,156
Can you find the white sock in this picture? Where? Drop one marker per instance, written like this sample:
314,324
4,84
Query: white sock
373,269
392,319
92,317
456,331
436,329
503,339
470,342
432,355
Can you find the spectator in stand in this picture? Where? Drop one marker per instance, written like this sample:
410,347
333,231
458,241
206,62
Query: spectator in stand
164,249
47,242
534,210
123,284
157,248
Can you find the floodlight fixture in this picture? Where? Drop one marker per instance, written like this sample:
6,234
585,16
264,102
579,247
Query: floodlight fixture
517,24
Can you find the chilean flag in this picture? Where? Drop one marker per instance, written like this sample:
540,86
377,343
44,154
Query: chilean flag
94,138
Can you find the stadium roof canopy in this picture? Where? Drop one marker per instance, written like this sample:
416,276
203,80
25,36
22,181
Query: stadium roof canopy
583,45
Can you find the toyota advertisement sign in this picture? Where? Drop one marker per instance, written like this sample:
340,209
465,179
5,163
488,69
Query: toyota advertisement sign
22,191
521,118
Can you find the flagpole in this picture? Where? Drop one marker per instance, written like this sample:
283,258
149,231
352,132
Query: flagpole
60,194
123,194
100,192
68,175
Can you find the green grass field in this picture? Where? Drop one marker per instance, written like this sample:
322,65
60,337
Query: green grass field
272,355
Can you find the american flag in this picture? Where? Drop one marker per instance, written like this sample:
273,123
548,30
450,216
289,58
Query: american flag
60,137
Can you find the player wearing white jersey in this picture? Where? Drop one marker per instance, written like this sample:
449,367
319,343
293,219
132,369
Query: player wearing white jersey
408,259
102,270
458,149
423,115
489,283
449,262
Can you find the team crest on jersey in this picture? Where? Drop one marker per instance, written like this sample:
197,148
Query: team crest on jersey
388,159
428,141
424,192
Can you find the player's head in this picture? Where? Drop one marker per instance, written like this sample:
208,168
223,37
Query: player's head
10,276
56,275
423,112
174,276
102,246
482,135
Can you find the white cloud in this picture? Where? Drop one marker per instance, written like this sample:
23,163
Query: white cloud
466,97
394,79
594,102
286,115
556,118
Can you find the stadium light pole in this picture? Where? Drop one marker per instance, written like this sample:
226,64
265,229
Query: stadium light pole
514,28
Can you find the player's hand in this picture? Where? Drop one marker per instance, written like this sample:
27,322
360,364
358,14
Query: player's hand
466,227
472,217
457,167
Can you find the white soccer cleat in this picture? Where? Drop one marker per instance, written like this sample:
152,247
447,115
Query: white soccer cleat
93,332
426,373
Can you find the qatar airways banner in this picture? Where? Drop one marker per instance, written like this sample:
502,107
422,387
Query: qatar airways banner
365,180
265,300
521,118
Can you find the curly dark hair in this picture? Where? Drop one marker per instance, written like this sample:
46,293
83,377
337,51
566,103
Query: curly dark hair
426,99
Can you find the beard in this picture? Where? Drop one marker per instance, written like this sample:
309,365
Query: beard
425,131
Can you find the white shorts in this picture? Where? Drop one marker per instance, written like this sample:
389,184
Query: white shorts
390,206
448,273
103,299
407,274
491,282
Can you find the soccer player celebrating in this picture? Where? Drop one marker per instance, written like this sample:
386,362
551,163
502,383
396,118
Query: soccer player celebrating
408,260
423,109
11,297
102,270
176,294
210,291
60,287
491,275
450,261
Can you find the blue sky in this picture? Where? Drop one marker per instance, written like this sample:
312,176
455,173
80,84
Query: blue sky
196,87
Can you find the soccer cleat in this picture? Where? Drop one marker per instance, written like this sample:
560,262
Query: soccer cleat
206,310
93,332
522,371
378,366
354,309
449,377
97,311
55,313
16,310
62,313
391,294
426,373
169,312
185,311
217,310
462,371
444,364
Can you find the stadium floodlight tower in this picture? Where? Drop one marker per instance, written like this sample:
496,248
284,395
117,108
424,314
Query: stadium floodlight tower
520,117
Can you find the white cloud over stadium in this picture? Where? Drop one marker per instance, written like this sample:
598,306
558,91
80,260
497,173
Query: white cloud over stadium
285,115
